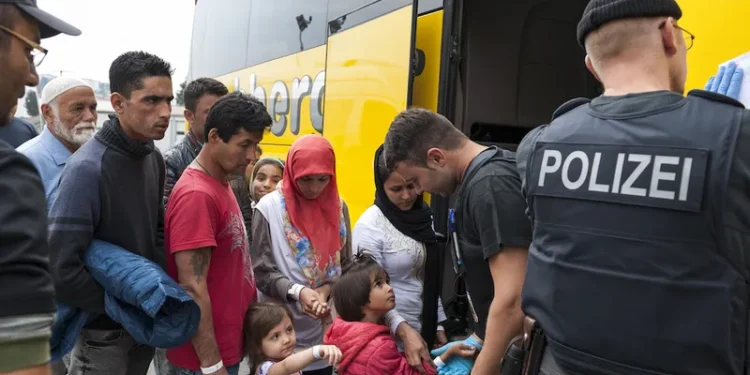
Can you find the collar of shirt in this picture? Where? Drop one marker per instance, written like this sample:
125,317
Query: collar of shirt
55,147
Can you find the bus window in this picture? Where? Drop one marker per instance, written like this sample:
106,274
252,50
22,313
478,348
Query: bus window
366,13
338,8
426,6
221,27
283,27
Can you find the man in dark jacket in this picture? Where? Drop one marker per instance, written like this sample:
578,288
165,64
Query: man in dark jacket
27,305
111,189
200,96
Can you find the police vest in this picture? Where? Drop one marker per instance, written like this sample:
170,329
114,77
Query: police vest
627,273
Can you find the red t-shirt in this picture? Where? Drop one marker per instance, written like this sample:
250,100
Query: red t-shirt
203,212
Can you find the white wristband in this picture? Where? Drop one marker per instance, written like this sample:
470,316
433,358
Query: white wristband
212,369
316,352
438,362
295,290
440,328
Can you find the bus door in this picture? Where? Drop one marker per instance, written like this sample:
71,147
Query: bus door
369,74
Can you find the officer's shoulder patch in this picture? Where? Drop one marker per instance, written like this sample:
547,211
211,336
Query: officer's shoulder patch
569,105
712,96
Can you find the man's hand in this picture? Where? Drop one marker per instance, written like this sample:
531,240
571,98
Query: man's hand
192,275
312,304
440,339
415,347
324,291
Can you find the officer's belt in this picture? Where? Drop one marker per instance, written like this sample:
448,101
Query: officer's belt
534,343
526,358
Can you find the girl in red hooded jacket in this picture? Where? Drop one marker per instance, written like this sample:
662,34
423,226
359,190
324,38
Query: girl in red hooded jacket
361,298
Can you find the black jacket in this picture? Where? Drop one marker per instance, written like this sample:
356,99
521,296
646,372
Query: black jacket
24,256
177,159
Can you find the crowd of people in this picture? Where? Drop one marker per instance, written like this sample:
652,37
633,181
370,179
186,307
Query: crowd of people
263,264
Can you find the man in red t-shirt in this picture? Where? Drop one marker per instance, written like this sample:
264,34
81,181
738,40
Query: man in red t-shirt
206,240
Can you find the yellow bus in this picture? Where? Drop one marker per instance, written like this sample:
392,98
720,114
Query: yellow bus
345,68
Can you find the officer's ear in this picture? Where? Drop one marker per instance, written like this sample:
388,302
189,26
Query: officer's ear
590,67
435,157
669,35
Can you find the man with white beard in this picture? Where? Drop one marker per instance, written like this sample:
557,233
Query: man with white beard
69,109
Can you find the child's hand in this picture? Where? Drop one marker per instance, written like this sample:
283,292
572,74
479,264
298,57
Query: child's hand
462,350
331,353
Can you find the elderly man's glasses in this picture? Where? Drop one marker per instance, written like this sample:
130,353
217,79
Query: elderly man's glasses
37,53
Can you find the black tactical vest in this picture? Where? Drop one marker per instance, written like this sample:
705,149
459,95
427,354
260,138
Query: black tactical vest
628,272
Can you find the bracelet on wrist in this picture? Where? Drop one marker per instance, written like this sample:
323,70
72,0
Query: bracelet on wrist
212,369
316,352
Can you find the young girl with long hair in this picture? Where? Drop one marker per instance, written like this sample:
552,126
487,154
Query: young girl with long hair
270,340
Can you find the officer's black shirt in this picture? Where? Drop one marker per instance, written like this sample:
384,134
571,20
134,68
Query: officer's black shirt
737,213
491,217
24,257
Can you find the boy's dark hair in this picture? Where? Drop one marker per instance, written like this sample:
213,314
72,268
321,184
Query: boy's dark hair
202,86
237,111
413,132
260,319
352,291
127,72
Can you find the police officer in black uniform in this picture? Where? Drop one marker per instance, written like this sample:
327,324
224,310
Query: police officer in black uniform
490,231
641,210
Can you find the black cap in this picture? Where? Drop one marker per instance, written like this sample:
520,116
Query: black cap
49,25
599,12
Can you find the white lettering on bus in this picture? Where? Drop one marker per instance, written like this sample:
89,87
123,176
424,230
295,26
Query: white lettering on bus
285,109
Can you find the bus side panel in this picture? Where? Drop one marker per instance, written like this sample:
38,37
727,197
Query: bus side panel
720,34
426,84
367,84
292,88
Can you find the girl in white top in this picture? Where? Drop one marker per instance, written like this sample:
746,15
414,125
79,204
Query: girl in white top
398,232
271,340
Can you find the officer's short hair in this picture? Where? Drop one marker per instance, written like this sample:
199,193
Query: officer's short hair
352,292
416,130
200,87
616,37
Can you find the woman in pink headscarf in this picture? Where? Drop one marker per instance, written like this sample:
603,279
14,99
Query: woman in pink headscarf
301,232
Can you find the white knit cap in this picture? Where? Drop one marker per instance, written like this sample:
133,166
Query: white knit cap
60,85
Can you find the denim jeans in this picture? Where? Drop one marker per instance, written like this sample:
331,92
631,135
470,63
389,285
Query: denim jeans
109,352
61,367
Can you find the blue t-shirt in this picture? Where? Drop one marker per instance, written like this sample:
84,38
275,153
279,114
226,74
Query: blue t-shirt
17,132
